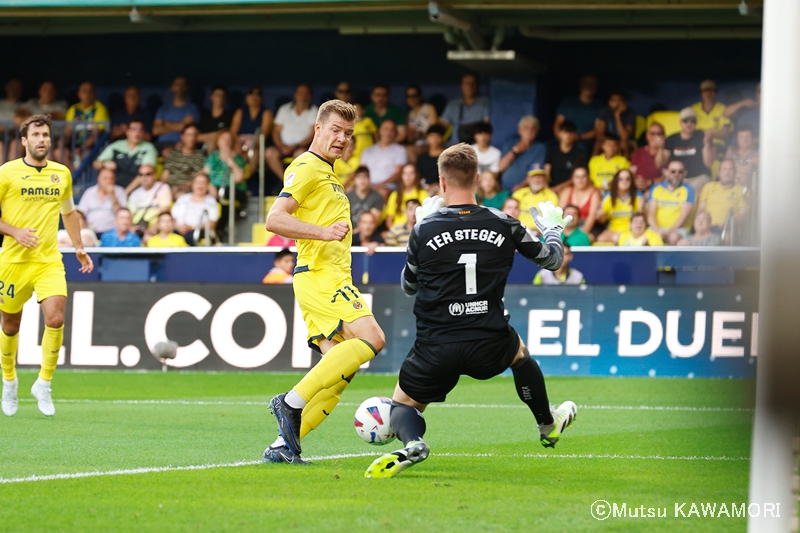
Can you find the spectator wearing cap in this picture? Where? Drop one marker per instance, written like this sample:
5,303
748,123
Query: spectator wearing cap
711,114
530,196
427,162
694,149
522,154
616,118
464,113
488,155
603,167
562,158
649,161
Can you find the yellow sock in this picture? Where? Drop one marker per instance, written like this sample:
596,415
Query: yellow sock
8,354
320,406
51,344
340,361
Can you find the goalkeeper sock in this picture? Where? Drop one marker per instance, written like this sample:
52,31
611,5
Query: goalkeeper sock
8,354
407,422
51,344
339,362
529,381
321,406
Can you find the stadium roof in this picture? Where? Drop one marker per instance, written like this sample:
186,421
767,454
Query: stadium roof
548,19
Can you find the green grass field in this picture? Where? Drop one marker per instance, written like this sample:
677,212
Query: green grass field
180,452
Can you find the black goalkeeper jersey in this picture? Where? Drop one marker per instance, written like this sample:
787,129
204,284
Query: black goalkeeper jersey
458,261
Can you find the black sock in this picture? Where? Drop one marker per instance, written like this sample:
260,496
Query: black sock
407,423
529,381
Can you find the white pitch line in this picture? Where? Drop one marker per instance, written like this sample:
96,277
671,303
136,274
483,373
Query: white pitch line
437,405
157,469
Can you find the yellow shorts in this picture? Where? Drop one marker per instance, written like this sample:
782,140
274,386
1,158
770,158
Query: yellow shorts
327,300
19,280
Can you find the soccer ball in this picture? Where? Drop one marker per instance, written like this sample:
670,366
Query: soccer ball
372,420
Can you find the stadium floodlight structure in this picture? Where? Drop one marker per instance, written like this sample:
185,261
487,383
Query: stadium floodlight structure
773,466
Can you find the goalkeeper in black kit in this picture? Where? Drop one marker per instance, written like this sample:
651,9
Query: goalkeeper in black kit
459,257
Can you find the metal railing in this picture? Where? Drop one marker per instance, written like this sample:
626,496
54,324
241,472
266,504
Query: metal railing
75,144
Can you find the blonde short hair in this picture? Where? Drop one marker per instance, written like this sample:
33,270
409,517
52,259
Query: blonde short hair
458,165
343,109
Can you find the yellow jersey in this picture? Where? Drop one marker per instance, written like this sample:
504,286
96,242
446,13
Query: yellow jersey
653,239
719,200
602,170
714,120
321,199
173,240
669,203
399,216
527,199
31,197
363,135
619,214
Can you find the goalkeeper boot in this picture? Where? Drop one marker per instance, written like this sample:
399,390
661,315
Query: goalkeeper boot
10,401
288,422
282,454
41,391
391,464
563,417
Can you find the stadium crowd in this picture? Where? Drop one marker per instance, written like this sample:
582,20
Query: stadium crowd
682,177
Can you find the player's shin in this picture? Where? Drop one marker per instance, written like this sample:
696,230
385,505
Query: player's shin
338,363
321,406
407,422
51,345
8,355
529,382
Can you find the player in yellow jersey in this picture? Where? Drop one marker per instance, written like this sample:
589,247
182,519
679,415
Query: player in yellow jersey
313,209
32,191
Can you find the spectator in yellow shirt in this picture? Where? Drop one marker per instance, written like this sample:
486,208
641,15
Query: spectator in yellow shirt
530,196
720,197
639,235
711,114
603,167
165,238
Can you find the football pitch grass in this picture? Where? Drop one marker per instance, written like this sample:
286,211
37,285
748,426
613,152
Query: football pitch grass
181,452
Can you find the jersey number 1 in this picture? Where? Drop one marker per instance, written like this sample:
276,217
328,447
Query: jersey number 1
470,271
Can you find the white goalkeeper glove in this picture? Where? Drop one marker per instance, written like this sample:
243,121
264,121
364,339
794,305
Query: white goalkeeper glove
430,205
548,218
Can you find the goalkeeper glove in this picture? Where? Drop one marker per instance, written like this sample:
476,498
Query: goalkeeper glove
548,218
430,205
